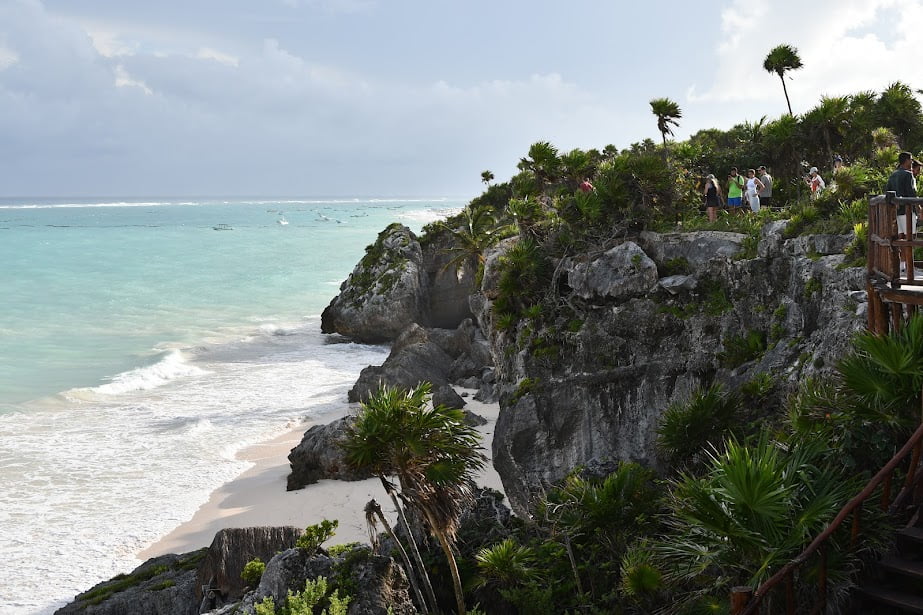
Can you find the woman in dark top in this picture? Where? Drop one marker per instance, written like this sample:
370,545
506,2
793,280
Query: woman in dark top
712,198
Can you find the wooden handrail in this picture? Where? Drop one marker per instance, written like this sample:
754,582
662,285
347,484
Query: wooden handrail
883,474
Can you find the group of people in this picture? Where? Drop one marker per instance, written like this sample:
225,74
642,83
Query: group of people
754,191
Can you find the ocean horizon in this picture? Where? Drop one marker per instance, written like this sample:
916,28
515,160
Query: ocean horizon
144,342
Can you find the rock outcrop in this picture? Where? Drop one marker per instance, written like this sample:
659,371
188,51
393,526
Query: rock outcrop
380,585
438,356
164,585
230,551
399,282
385,292
637,344
319,456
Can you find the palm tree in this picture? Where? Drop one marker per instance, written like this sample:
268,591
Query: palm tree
374,516
667,112
780,60
430,449
487,177
899,110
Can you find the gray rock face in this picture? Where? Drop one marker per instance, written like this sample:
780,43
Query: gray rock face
438,356
414,358
380,582
696,248
160,586
230,551
622,272
319,456
385,292
450,283
634,355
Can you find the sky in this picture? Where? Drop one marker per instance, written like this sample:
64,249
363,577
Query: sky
394,98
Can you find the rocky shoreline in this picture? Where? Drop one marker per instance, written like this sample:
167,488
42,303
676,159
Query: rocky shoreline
658,316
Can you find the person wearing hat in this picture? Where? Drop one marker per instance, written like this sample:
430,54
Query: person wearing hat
816,182
903,183
766,180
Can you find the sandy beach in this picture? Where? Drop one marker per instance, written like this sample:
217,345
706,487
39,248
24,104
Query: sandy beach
258,496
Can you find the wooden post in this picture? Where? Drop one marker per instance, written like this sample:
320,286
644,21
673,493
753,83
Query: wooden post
822,578
790,593
854,533
740,598
886,492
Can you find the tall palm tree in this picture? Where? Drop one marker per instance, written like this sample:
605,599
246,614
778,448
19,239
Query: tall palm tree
430,449
667,112
487,177
780,60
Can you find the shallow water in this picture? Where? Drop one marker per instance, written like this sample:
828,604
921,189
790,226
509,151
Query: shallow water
141,350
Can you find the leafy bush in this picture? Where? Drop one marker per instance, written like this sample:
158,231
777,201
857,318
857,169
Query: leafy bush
253,572
315,535
304,602
687,429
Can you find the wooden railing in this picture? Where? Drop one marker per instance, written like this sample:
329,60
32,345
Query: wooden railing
893,296
746,602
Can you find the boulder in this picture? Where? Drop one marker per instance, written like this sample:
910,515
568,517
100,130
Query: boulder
319,456
696,248
385,292
622,272
230,551
414,358
675,284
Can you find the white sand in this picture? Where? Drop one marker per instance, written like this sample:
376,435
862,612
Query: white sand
258,496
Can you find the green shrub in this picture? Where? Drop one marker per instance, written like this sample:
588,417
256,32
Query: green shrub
253,572
740,349
687,428
305,601
315,535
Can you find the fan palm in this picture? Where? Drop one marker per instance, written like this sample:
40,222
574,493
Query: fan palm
754,509
667,112
430,449
780,60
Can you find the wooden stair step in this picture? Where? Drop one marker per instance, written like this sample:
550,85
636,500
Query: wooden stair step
911,533
911,568
910,603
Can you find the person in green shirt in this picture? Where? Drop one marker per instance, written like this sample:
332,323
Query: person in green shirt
735,189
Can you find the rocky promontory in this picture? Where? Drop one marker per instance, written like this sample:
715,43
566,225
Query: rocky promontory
652,318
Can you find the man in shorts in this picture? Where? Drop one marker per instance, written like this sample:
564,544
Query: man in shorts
735,190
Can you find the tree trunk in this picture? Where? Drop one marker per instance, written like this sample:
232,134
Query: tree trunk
453,569
411,574
785,89
413,544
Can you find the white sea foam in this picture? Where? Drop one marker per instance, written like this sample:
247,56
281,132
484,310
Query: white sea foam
169,368
429,215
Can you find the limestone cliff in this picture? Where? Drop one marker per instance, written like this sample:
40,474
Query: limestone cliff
657,317
642,323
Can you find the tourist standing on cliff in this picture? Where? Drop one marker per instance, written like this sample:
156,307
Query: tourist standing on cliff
712,198
735,189
904,184
766,192
816,182
754,185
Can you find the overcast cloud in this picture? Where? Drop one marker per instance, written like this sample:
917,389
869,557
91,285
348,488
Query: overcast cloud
397,97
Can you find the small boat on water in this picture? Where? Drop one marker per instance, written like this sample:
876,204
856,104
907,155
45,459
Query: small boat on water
223,227
281,220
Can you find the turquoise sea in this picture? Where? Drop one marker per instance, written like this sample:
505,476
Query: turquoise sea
141,349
